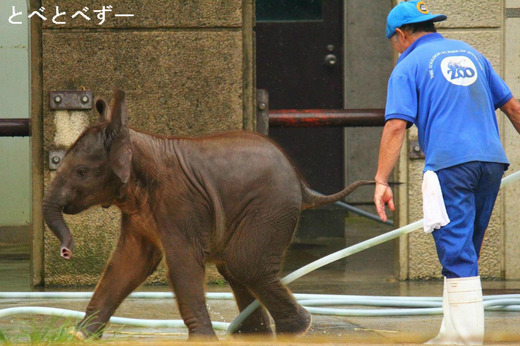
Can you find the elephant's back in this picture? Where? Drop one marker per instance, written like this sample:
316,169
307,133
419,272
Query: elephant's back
244,161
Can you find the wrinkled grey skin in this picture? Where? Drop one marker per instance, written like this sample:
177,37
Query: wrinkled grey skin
232,199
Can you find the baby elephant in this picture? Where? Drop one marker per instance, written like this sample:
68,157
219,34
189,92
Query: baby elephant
232,199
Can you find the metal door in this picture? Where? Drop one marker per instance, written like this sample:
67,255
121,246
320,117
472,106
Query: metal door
299,48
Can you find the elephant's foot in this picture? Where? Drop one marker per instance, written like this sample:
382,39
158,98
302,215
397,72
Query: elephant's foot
201,332
77,334
261,328
258,323
89,328
295,325
202,337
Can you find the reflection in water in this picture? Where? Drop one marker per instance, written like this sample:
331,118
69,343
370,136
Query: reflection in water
14,268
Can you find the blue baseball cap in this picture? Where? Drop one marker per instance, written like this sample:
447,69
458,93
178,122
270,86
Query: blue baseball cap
409,12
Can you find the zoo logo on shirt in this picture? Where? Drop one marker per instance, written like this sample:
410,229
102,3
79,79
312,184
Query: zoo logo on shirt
459,70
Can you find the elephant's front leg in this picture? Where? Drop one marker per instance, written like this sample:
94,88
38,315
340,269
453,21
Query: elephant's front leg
187,274
134,259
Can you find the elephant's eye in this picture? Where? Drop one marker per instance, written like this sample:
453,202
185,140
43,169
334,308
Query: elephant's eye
81,171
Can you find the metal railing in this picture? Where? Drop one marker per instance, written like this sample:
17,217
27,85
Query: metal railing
326,118
15,127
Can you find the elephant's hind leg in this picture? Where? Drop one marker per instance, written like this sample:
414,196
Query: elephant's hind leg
258,321
256,262
289,316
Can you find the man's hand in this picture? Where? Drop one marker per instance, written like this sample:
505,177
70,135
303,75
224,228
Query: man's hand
391,142
383,195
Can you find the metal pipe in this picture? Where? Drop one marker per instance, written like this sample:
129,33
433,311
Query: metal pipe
15,127
327,117
360,212
363,213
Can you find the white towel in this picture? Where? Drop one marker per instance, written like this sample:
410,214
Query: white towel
434,210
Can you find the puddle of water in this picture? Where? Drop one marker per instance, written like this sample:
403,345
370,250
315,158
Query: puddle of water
14,268
366,273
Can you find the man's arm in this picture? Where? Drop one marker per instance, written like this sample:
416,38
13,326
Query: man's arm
512,110
390,148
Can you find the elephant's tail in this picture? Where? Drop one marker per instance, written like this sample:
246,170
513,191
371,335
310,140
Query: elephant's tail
312,199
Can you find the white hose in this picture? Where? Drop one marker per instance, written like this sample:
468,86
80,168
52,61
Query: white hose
408,306
35,310
420,305
88,295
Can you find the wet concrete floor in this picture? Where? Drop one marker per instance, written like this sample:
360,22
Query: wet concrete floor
367,273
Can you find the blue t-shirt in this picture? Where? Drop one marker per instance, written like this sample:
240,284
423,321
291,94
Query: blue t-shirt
450,92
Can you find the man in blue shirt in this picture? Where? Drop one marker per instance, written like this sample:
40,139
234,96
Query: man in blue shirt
450,92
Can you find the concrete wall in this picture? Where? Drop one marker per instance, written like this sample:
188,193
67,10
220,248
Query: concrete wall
483,25
368,64
187,68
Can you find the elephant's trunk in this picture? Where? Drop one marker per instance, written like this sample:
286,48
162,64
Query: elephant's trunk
53,215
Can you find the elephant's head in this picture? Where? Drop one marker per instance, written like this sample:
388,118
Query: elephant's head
94,171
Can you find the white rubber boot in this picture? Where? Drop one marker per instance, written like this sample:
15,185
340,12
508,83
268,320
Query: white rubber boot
447,334
463,321
466,309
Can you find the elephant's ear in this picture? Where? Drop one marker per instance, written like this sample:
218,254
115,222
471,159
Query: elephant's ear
117,137
103,110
